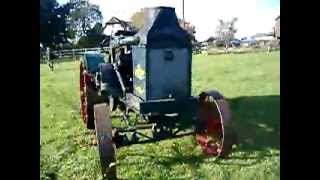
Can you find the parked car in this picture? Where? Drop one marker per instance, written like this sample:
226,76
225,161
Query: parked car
196,49
235,42
248,41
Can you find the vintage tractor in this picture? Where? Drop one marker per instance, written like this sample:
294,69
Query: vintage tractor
148,74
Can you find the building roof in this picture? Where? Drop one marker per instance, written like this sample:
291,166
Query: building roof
257,35
122,23
115,20
265,38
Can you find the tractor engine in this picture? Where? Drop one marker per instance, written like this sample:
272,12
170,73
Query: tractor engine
162,59
146,71
152,64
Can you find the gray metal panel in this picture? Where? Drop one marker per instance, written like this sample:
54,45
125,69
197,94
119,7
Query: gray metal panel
139,64
167,78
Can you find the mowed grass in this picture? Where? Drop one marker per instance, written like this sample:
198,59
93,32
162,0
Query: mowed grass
251,82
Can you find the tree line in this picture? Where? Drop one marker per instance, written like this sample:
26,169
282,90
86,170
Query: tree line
78,24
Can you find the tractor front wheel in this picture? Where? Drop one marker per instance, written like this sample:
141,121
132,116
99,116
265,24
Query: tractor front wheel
214,132
106,146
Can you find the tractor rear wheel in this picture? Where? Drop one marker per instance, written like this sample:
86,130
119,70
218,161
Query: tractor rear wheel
214,132
106,146
89,96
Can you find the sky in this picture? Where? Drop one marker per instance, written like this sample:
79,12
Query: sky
254,16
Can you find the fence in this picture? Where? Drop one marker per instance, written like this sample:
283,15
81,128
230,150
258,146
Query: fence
70,54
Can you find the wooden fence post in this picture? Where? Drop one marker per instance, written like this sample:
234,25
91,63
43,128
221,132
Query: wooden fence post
49,61
60,53
74,58
48,54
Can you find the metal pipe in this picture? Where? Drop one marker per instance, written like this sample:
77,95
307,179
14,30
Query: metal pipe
183,14
120,79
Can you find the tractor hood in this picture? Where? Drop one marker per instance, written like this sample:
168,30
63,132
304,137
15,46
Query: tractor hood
162,29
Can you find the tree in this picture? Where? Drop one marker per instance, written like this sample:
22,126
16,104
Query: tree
137,19
226,30
52,22
83,17
47,31
93,37
46,8
191,29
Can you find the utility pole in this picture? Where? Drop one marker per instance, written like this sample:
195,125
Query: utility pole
183,14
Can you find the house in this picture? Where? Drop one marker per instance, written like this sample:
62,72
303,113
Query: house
208,42
263,39
117,24
118,27
277,28
247,41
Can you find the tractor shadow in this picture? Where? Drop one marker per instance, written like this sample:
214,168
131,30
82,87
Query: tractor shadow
257,122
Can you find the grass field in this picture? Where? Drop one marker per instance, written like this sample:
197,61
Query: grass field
251,82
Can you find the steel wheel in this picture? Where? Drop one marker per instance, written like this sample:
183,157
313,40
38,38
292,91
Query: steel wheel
213,129
83,95
86,99
106,147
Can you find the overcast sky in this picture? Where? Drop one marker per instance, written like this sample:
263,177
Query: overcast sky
254,16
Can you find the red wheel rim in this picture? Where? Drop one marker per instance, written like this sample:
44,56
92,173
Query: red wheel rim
88,97
83,94
213,115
